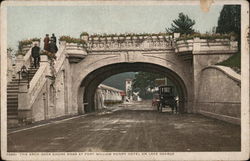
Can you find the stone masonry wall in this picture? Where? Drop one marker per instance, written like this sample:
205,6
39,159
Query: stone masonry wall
219,94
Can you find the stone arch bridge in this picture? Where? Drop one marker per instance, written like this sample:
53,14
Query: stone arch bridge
68,86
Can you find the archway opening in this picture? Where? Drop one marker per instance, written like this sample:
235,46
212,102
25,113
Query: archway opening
92,80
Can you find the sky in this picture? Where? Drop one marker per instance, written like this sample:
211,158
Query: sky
25,22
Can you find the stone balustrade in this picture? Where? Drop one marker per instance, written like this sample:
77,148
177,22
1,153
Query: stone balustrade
75,52
198,45
106,95
131,43
188,48
60,56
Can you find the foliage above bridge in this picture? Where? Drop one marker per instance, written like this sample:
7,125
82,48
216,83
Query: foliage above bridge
69,39
23,43
125,34
207,36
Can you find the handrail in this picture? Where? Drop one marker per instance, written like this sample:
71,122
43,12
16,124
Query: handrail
37,83
60,57
227,71
27,55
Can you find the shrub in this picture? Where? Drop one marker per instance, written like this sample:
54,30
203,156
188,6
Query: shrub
83,34
206,36
232,62
22,43
69,39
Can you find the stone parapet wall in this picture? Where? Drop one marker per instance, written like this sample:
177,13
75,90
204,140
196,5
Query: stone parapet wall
219,94
106,95
131,43
204,46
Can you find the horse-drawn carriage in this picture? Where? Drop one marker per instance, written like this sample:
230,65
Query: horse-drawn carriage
166,98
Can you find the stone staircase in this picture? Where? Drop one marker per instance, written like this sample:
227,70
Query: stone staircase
12,97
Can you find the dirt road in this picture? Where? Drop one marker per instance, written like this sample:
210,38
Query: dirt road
132,128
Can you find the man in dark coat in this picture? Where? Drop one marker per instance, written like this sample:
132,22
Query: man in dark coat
35,53
53,38
46,42
52,47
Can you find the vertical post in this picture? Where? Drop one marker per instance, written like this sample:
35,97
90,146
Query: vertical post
196,72
45,107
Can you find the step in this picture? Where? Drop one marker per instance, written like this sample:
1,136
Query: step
13,84
12,104
12,109
12,117
32,71
12,87
19,83
11,93
12,99
12,112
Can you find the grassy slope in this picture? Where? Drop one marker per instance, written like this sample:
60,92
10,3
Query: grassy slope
233,61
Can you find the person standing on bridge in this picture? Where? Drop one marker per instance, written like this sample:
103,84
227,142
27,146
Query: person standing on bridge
46,42
52,47
35,53
53,38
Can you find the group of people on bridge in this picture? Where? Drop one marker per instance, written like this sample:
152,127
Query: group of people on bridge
49,46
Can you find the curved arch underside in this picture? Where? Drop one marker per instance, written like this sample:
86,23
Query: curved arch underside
92,80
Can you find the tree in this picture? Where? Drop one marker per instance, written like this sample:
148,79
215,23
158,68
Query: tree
229,20
144,81
182,25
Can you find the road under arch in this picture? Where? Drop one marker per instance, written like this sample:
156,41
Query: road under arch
90,83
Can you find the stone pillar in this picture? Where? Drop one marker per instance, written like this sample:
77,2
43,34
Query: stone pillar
24,111
196,73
